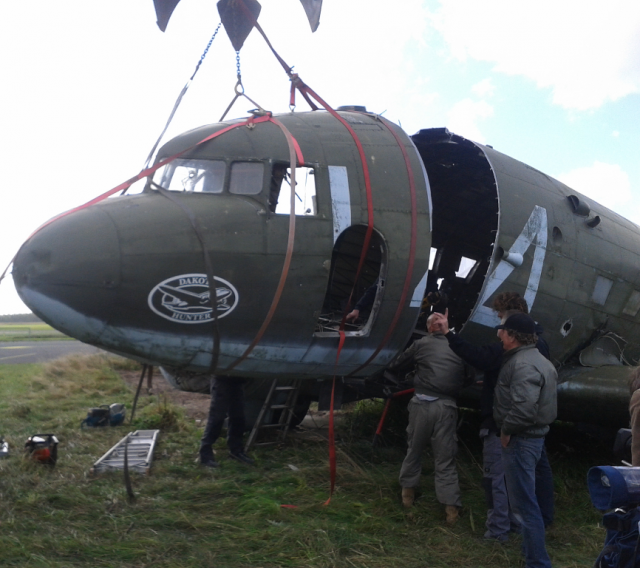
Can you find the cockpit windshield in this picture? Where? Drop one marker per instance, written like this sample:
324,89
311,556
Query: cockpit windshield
240,177
246,178
192,175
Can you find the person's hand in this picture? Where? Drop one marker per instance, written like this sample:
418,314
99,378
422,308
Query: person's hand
505,439
353,315
441,322
433,298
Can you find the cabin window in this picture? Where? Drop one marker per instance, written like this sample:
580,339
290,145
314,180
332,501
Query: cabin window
192,176
432,257
280,190
601,290
466,264
366,292
246,178
633,304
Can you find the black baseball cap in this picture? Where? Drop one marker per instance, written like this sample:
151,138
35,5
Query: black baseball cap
520,322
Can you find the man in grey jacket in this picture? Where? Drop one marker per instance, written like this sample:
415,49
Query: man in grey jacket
433,415
525,403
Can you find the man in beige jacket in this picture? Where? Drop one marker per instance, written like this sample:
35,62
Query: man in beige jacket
433,416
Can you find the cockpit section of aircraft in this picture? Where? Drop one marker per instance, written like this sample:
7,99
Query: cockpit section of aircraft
243,178
209,176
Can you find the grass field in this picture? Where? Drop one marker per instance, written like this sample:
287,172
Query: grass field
28,331
186,516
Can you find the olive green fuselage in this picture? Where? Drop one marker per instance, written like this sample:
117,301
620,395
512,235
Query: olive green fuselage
131,274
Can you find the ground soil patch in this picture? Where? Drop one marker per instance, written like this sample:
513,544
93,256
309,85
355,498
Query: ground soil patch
195,405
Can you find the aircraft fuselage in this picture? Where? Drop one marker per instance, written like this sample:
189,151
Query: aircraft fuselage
131,274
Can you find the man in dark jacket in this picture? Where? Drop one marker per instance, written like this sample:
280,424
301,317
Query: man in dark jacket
524,404
364,303
227,400
433,416
488,358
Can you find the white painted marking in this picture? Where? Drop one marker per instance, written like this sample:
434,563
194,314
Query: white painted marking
418,293
534,232
184,298
16,356
340,199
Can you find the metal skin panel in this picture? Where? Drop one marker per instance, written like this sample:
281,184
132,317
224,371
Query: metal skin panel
572,264
595,395
153,242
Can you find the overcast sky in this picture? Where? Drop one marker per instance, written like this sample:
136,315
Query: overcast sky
87,87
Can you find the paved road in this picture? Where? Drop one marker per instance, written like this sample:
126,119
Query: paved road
41,351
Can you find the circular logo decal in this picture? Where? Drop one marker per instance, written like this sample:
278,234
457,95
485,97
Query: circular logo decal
185,298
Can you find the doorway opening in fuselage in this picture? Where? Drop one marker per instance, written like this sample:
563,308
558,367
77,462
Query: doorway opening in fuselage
367,292
465,222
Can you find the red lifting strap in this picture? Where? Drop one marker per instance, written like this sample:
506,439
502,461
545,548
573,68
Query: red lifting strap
307,93
295,153
412,251
305,90
386,409
332,438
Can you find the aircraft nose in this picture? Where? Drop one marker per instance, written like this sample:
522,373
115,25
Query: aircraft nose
71,266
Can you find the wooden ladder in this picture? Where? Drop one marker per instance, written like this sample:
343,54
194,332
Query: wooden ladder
286,415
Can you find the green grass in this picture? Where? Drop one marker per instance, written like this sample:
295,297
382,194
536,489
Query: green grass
187,516
28,332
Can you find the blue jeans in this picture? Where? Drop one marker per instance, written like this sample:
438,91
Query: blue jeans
520,458
500,520
544,488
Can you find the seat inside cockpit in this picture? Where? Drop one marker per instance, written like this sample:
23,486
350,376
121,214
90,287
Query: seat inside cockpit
465,221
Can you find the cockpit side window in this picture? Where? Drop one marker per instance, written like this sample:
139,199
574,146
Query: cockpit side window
192,176
246,178
280,190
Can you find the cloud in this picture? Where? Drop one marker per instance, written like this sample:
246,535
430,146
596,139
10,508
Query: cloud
586,52
484,88
608,184
464,117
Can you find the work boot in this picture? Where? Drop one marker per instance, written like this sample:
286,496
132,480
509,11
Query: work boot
210,462
452,514
241,457
408,496
207,457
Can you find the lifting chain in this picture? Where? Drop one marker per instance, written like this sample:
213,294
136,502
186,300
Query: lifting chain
206,50
179,100
238,67
239,92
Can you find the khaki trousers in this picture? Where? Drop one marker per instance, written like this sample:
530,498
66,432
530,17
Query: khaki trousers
433,423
